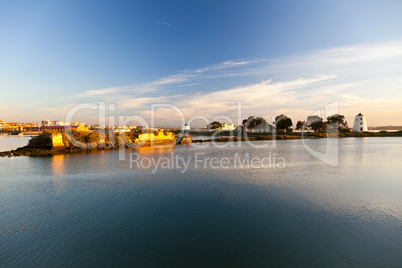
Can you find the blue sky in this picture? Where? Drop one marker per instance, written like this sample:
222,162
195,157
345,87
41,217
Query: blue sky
275,57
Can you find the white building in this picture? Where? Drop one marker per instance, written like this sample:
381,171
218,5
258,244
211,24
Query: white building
186,127
262,128
46,123
360,124
57,123
240,129
53,123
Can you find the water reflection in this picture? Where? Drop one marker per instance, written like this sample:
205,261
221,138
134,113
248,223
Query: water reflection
58,165
58,170
157,150
361,146
93,210
12,142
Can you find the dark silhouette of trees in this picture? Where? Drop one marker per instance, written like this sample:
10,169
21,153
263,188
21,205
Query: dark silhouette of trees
253,121
315,122
282,122
339,120
215,125
43,140
300,124
139,130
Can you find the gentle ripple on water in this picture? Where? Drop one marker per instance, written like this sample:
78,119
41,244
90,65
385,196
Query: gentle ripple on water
93,210
12,142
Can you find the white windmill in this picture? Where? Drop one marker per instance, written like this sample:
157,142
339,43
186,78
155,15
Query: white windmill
360,124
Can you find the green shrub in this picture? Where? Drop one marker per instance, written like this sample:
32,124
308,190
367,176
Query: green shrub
43,140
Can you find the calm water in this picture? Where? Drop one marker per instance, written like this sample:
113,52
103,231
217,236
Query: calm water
94,211
12,142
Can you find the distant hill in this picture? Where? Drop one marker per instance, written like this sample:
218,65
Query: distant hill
386,128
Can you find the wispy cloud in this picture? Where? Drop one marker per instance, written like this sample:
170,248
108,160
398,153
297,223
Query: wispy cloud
173,79
264,98
176,79
162,22
190,84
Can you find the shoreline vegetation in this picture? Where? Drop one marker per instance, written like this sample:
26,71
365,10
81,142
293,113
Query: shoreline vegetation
55,143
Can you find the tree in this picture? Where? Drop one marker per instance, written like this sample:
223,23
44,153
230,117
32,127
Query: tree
300,124
132,135
315,123
318,126
339,120
282,122
139,130
215,125
43,140
253,121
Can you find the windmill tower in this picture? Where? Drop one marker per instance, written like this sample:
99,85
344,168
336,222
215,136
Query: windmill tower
360,124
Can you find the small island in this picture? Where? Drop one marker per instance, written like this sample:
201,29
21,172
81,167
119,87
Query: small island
54,143
74,141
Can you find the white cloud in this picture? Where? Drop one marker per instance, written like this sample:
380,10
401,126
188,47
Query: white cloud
173,79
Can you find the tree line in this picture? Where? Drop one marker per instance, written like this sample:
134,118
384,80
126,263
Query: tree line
284,123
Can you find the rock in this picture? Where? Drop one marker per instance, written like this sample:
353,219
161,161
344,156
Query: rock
184,140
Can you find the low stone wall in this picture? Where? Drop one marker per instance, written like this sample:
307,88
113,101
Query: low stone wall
57,140
161,136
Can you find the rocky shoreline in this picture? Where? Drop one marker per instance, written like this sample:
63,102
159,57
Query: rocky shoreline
47,151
